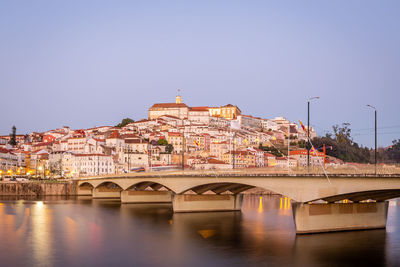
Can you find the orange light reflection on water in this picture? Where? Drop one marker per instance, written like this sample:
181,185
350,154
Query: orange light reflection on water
285,206
41,221
260,205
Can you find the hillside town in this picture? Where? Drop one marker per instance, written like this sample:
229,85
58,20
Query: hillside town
174,136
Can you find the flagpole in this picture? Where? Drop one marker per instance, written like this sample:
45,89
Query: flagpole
288,149
308,130
319,161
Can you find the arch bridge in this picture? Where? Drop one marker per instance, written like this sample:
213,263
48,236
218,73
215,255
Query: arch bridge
344,202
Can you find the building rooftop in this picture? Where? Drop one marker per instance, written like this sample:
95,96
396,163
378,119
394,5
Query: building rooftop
169,105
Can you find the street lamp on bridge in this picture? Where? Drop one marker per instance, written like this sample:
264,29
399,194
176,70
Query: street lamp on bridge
375,133
308,130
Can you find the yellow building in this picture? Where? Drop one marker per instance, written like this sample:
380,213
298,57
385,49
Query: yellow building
176,140
243,159
229,112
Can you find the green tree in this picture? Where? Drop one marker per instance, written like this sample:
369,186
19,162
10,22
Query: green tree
392,154
162,142
13,134
273,150
169,148
124,122
343,134
341,145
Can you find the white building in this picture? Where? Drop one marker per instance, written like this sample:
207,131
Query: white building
269,125
8,160
249,122
199,114
93,164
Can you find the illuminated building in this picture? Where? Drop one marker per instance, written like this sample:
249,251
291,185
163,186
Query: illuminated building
229,111
177,109
182,111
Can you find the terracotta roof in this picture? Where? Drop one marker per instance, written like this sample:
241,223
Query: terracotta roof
215,161
4,150
115,134
199,108
169,105
135,141
44,144
174,134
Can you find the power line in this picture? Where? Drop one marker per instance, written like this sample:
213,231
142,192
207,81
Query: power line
384,127
357,134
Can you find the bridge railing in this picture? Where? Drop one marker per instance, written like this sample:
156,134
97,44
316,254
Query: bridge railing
351,170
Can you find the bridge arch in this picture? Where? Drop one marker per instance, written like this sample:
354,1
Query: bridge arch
219,188
109,184
377,195
143,185
86,185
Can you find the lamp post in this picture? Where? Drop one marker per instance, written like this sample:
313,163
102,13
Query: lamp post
40,169
308,130
375,133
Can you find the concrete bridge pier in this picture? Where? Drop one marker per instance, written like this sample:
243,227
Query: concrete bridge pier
317,218
108,193
84,191
132,196
207,202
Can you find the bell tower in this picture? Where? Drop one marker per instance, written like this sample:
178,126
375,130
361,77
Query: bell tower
178,98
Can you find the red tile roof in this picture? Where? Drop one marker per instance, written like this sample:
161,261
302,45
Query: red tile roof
215,161
169,105
174,134
199,108
4,150
115,134
135,141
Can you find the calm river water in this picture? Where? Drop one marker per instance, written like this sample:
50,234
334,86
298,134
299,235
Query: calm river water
77,232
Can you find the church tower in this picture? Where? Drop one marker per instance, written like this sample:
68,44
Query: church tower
178,98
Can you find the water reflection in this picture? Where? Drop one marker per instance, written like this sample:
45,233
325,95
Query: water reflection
41,223
81,231
357,248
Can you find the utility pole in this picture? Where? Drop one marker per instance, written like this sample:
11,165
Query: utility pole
129,152
308,131
234,139
183,149
149,155
376,134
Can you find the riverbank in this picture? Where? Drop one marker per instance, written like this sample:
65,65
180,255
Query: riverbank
37,189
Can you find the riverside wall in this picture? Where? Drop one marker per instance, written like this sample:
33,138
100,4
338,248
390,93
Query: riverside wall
37,189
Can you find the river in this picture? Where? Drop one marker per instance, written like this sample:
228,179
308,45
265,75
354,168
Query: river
86,232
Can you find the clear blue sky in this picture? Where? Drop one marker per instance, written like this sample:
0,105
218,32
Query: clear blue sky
92,63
